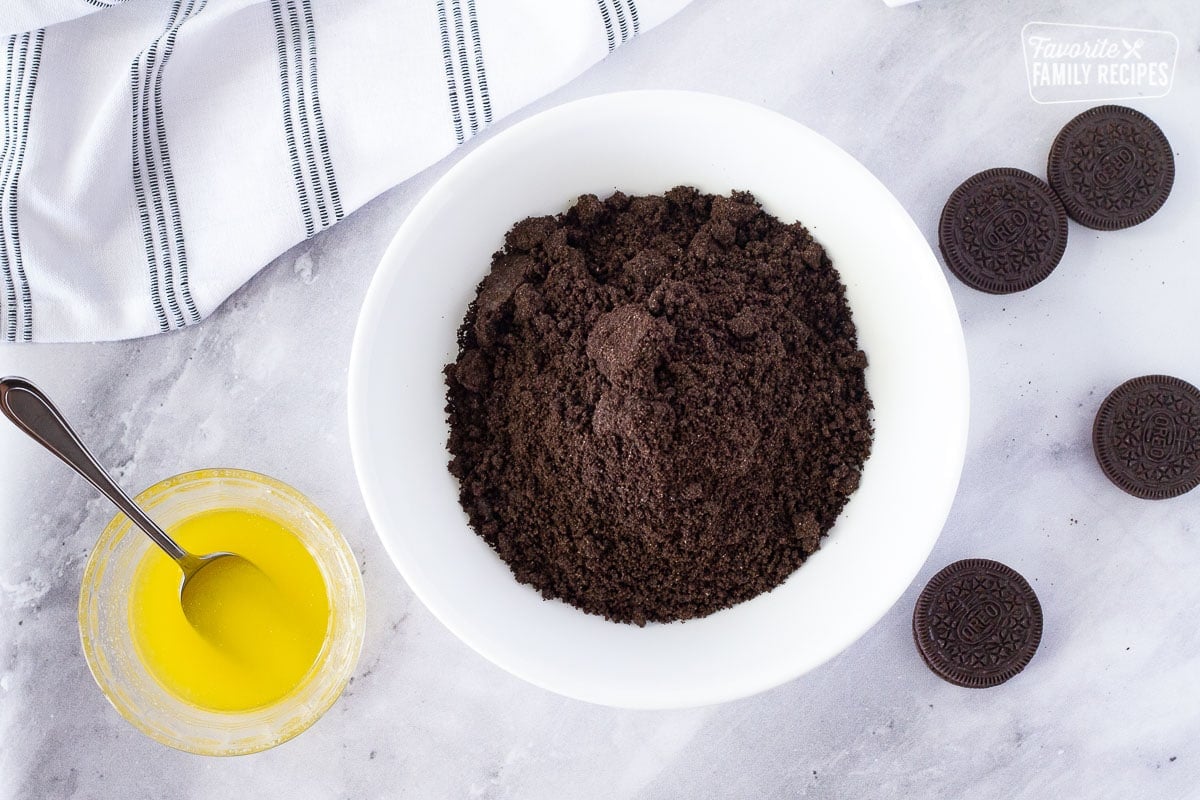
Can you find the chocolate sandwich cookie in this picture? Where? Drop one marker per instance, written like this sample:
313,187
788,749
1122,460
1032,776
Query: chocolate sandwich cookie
1147,436
1112,167
977,623
1003,230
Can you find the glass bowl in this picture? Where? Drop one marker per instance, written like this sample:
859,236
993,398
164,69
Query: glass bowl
108,644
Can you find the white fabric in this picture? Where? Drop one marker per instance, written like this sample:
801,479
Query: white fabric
150,163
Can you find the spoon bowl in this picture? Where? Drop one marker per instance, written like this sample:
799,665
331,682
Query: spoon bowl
200,586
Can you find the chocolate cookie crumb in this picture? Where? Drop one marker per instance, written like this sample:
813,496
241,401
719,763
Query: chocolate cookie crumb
659,405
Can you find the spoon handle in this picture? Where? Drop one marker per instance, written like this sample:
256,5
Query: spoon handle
31,411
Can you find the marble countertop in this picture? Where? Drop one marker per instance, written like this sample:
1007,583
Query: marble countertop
924,95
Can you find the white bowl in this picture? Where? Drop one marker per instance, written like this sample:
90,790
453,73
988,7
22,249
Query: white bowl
645,142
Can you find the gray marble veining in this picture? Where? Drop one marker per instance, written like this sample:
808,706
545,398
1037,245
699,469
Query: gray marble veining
924,95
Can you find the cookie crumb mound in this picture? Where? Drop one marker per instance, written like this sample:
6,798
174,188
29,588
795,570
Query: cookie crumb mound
659,407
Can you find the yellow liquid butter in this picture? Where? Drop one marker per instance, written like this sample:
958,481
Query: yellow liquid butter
252,630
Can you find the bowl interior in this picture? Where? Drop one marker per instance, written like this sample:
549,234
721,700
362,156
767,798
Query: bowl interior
643,142
107,637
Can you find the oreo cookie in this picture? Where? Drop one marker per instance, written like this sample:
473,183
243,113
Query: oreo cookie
1147,436
1112,167
1003,230
977,623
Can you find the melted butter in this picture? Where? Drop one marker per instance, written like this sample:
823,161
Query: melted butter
253,625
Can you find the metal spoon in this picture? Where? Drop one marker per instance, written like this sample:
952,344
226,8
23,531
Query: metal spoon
31,411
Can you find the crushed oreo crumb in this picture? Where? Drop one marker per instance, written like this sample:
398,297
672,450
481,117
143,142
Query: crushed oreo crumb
659,406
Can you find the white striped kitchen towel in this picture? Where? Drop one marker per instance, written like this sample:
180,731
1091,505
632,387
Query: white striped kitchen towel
157,153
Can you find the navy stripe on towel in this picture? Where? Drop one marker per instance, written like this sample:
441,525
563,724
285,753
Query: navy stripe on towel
466,73
480,72
448,64
625,15
154,178
303,123
464,66
608,25
318,118
23,55
621,23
